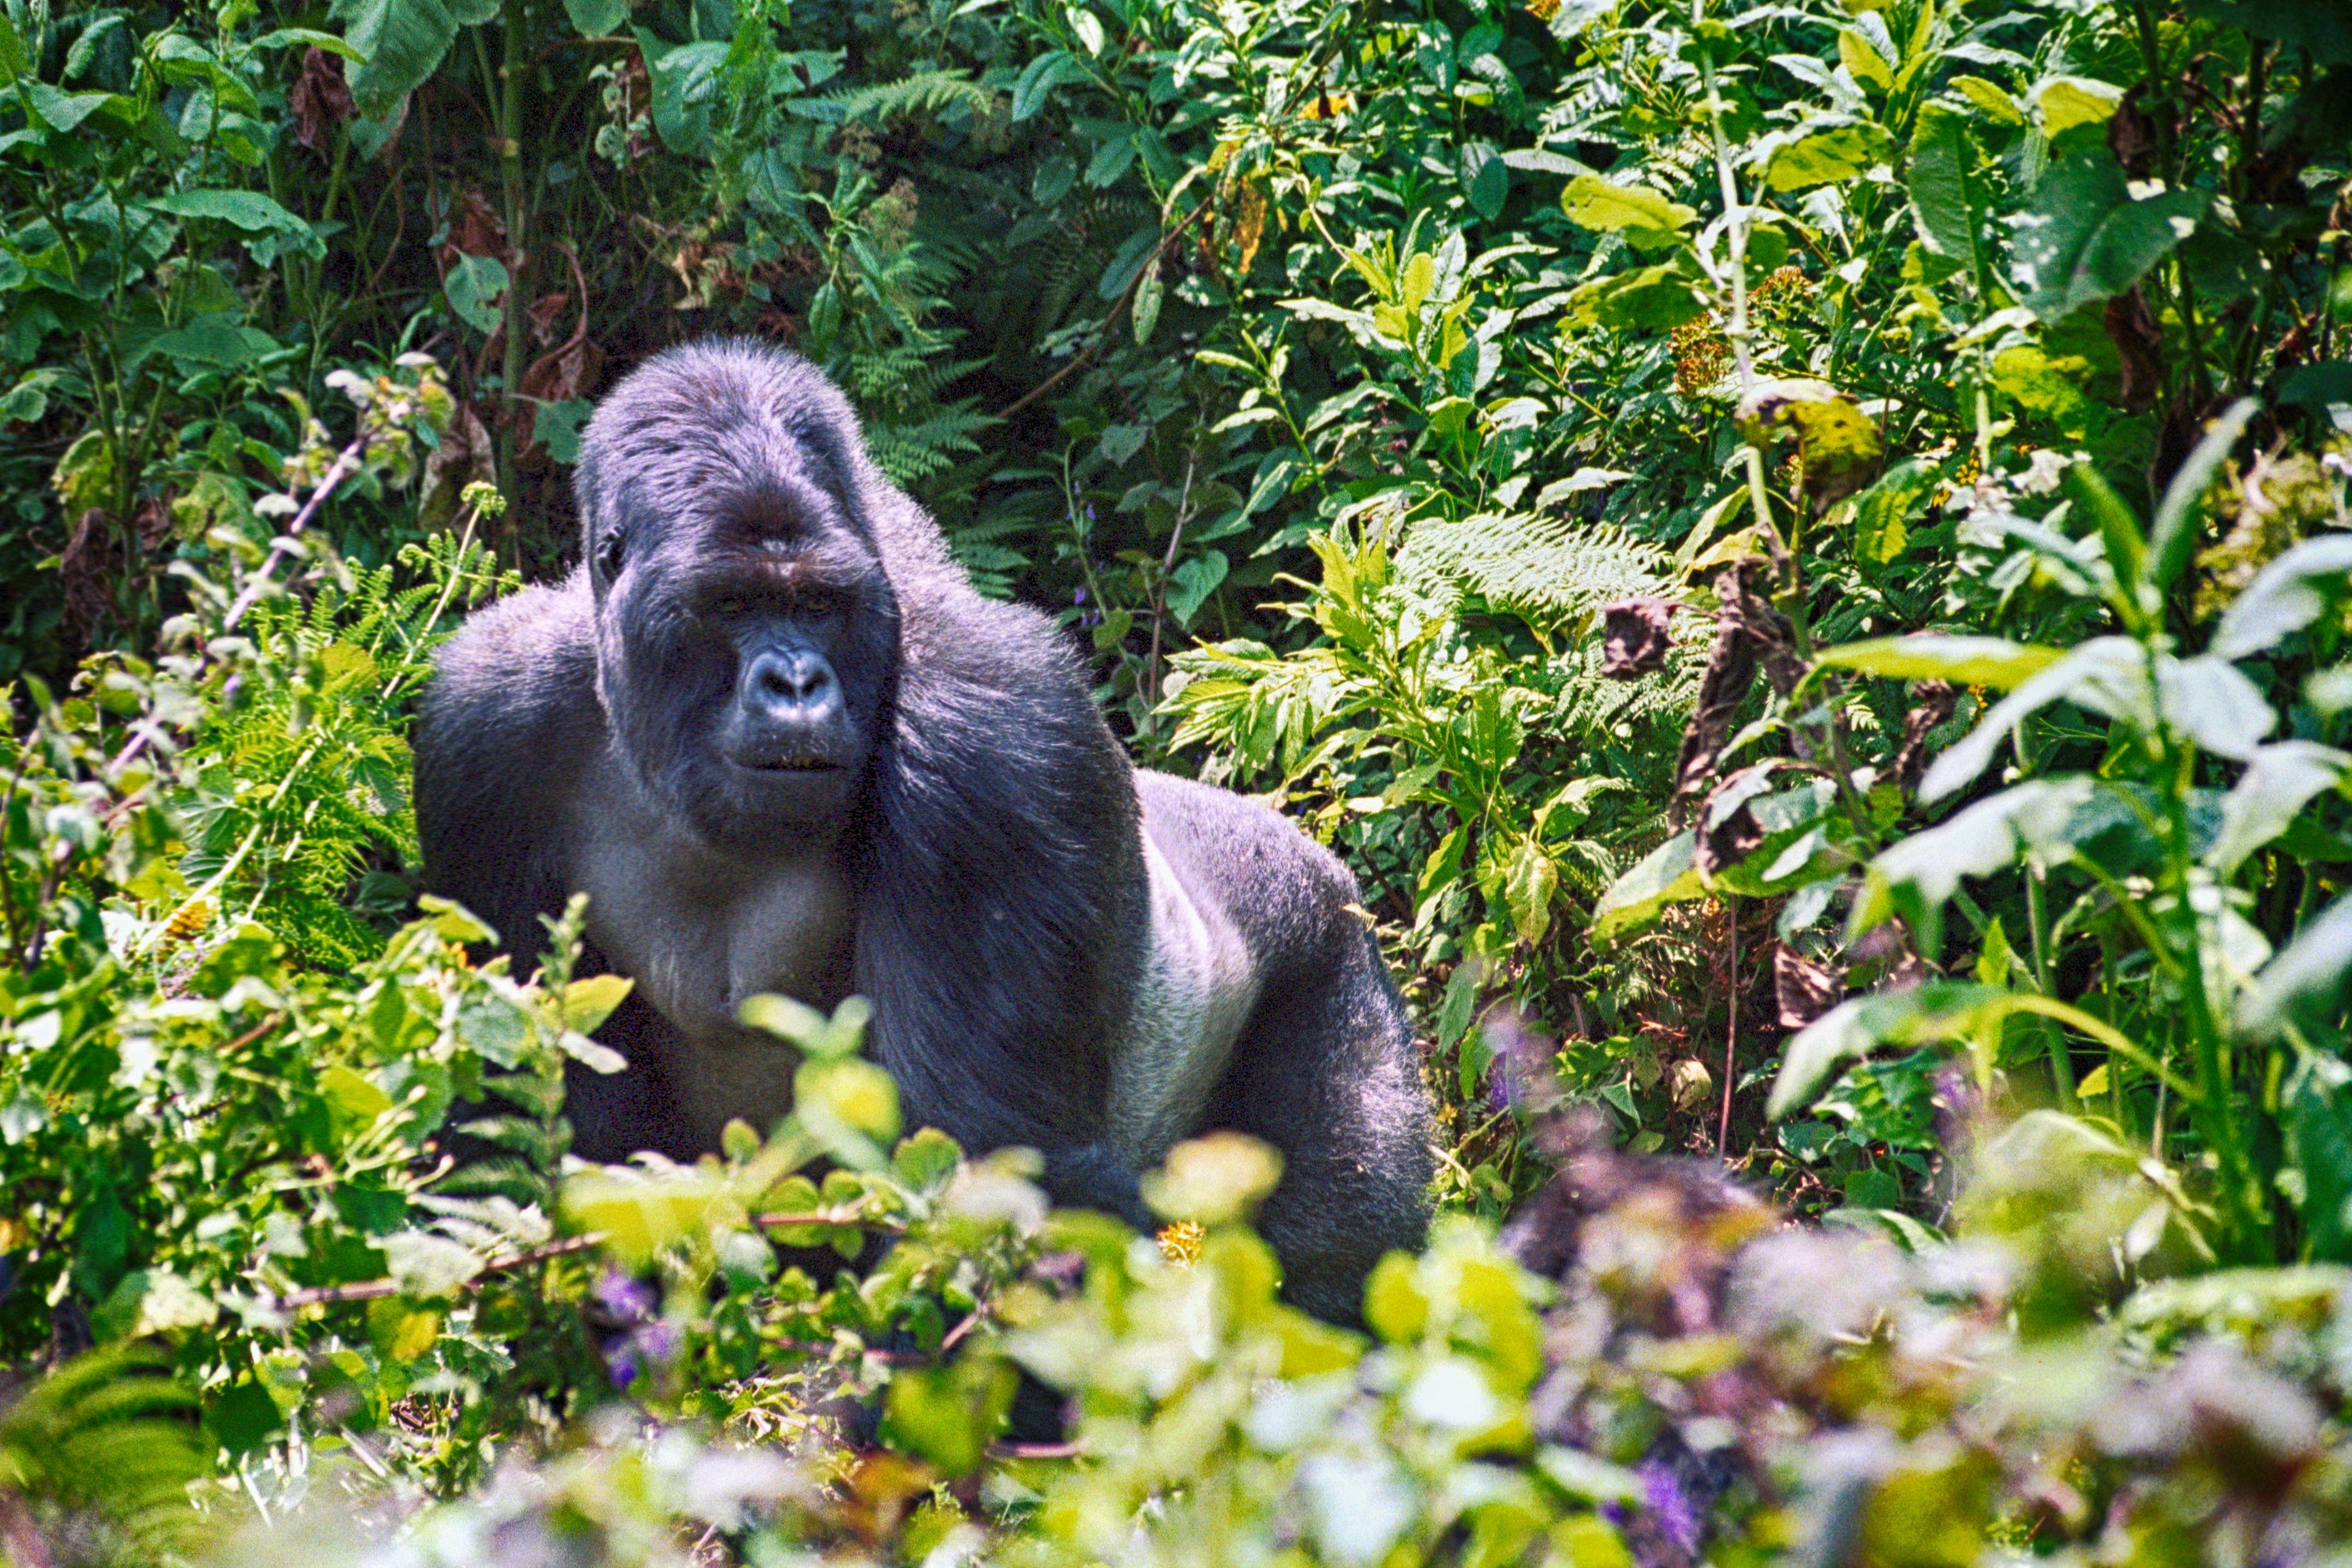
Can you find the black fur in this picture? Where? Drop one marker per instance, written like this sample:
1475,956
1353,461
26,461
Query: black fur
991,834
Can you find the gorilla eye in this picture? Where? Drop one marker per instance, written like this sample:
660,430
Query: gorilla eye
728,606
610,551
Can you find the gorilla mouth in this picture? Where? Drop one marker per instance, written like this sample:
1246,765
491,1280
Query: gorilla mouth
790,765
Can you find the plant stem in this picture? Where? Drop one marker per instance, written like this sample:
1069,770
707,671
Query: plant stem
511,62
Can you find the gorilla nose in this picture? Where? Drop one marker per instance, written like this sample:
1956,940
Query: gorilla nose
796,686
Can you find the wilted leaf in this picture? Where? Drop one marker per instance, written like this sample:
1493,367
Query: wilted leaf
1634,637
1838,444
1804,990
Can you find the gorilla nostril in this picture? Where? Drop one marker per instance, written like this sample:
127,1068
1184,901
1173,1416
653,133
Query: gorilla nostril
796,680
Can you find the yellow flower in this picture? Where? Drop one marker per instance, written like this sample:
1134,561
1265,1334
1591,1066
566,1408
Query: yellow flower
1179,1243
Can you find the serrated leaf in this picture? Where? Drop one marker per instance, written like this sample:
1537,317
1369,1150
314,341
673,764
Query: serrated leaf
1989,97
403,42
1862,59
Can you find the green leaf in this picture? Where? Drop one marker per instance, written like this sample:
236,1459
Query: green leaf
2213,703
2305,982
2126,547
685,81
1963,660
1649,299
1916,876
588,1003
15,61
2278,782
246,209
2286,597
403,42
2085,239
217,340
1667,875
476,286
67,110
1854,1028
2063,102
1827,151
1041,77
2172,539
308,39
1863,62
2108,675
1990,98
595,18
1594,203
1945,202
948,1415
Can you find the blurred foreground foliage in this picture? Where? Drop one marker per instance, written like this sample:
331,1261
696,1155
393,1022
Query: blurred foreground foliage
1436,418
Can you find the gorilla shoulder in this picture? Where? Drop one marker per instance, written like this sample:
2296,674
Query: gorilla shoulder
508,723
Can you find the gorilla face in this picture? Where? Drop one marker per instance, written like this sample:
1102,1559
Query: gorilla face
745,629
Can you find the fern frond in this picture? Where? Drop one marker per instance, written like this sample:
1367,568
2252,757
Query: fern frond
1546,570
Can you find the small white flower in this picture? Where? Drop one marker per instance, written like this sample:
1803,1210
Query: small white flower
2042,474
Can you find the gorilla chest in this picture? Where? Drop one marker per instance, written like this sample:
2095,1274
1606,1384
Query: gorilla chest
699,930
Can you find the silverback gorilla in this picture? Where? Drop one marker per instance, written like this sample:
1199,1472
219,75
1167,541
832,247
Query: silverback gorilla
773,734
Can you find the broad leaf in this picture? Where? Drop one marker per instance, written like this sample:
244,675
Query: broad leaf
2305,980
2210,702
1917,875
2063,102
595,18
2108,675
1648,299
1667,875
1963,662
1596,203
403,42
1825,151
1852,1029
2286,597
2085,239
2277,784
1946,202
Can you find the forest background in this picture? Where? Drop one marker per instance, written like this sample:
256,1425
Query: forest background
1800,552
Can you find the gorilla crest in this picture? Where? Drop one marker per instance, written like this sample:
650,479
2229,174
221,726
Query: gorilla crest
773,734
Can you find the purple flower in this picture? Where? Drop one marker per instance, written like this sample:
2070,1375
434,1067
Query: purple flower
626,1298
1079,597
621,1362
1677,1516
659,1342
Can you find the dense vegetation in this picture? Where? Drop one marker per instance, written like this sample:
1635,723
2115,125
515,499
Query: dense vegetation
1434,417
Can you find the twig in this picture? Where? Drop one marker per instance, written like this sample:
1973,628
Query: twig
1102,334
1730,1042
829,1216
376,1290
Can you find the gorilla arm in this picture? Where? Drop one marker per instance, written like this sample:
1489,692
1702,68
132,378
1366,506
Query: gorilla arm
1004,913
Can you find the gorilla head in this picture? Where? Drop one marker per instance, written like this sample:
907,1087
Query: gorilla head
746,632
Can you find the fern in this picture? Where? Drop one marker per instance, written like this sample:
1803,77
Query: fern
925,93
1548,571
97,1457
